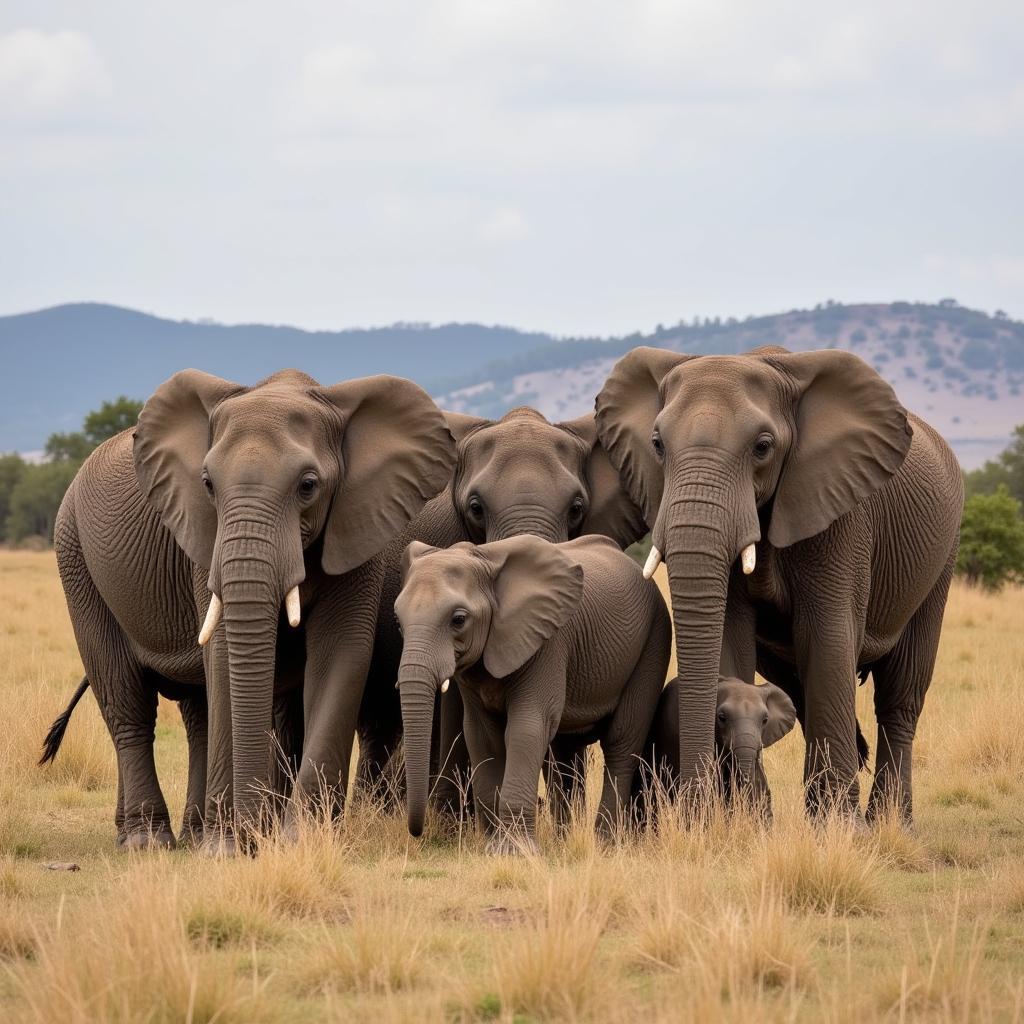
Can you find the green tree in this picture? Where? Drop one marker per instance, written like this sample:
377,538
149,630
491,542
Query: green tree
992,540
110,419
35,499
67,447
11,468
1006,471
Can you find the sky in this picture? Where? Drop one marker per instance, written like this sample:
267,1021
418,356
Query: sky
580,167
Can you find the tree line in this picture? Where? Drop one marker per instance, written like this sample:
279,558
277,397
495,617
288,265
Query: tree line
991,537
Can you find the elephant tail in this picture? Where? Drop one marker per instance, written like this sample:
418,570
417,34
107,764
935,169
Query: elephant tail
862,748
60,724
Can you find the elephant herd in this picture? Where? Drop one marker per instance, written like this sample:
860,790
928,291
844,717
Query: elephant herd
298,565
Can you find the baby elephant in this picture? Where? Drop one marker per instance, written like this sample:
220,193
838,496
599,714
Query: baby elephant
748,719
552,646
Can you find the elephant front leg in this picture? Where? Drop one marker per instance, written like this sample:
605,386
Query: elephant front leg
485,740
827,668
194,716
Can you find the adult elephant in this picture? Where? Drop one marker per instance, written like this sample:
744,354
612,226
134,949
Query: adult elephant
843,511
225,503
517,475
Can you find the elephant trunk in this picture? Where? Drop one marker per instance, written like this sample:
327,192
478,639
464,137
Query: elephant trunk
701,538
253,574
420,674
527,518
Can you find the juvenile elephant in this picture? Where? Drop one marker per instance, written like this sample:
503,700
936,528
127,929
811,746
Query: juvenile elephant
748,718
223,504
545,641
843,511
514,476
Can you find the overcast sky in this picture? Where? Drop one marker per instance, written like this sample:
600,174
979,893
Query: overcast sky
581,167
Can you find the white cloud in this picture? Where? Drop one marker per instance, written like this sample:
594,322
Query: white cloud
44,74
503,226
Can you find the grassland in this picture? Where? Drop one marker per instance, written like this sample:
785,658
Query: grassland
725,922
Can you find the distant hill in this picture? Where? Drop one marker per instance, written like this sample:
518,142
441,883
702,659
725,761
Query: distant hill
961,369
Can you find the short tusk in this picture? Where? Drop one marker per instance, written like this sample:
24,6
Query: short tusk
748,556
445,685
291,607
652,563
212,618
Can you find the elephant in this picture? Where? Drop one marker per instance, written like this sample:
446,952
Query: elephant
517,475
747,719
809,525
224,503
547,643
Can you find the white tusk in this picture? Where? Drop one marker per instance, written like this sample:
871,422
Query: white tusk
212,618
291,606
652,563
748,556
444,686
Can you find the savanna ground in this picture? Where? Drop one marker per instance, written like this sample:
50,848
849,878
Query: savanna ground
720,922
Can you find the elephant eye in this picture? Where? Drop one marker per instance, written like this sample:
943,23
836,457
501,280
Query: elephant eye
458,619
764,718
763,446
659,448
576,510
308,486
476,507
721,716
208,484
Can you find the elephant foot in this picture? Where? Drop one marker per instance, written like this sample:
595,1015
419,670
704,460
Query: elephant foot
161,838
191,836
218,846
511,844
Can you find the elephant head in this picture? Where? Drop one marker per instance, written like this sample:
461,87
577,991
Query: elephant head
749,718
494,604
524,475
250,479
715,448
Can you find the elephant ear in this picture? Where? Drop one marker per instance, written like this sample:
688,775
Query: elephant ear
462,425
627,407
537,588
170,444
781,714
396,454
850,436
611,512
415,549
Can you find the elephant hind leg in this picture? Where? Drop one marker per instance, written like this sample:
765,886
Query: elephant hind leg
565,777
194,715
901,679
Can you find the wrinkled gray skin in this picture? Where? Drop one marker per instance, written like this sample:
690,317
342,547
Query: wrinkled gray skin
514,476
549,645
245,493
854,507
747,719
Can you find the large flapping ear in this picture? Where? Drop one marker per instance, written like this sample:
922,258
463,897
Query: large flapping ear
611,512
396,454
537,588
781,714
462,425
170,444
850,436
627,407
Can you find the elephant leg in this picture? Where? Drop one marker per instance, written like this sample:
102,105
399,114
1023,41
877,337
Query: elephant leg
901,679
826,654
565,778
452,788
626,733
288,740
193,714
485,740
378,744
218,825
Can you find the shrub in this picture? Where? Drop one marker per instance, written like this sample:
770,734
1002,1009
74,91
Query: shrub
992,540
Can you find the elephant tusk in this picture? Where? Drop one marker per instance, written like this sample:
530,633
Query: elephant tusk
210,623
445,685
291,607
748,556
652,563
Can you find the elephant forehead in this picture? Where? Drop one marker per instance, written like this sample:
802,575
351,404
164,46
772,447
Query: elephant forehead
719,378
518,441
442,575
274,413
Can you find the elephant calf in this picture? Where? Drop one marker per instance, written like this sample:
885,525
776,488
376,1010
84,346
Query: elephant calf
553,646
747,719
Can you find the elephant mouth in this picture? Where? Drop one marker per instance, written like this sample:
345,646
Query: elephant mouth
292,609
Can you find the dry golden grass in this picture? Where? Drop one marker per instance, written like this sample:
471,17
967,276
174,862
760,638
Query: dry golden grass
717,923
